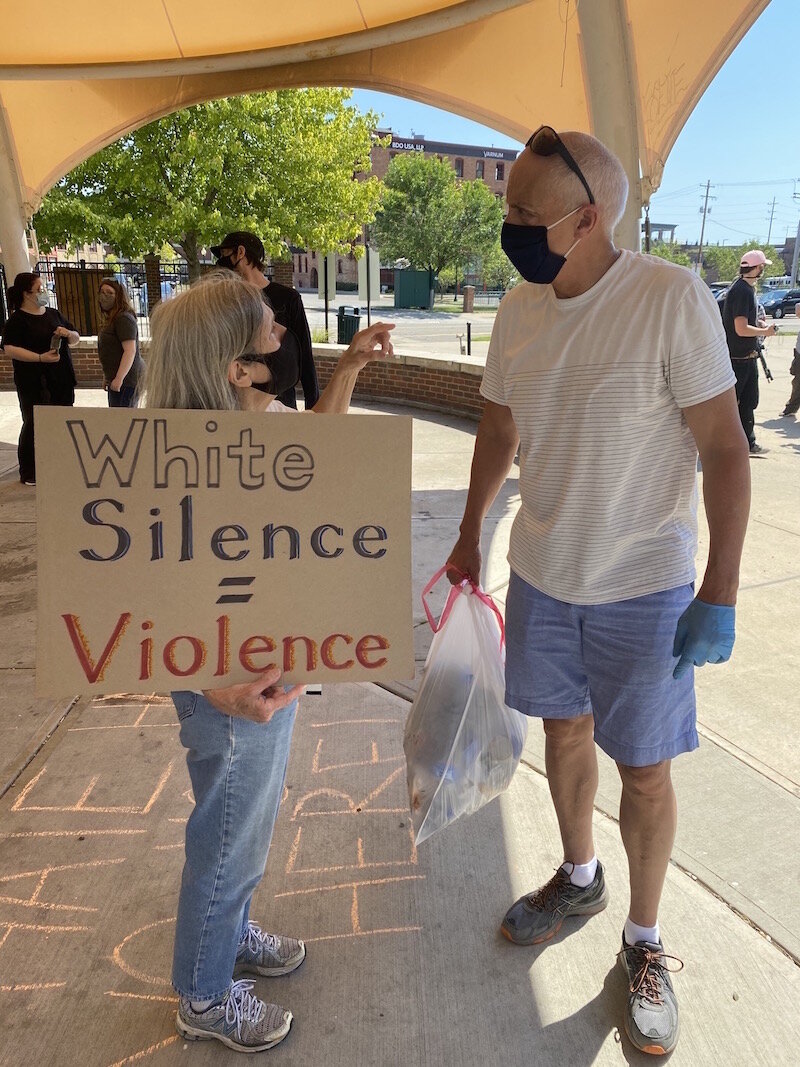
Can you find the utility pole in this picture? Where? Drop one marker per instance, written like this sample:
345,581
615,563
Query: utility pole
703,229
794,256
771,217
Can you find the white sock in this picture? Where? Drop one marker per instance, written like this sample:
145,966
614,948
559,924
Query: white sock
581,874
634,933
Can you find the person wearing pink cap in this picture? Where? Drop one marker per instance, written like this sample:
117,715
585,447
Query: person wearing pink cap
739,316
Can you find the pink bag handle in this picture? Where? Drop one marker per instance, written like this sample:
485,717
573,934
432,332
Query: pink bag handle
455,592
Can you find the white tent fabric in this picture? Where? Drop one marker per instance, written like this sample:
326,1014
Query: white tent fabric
629,71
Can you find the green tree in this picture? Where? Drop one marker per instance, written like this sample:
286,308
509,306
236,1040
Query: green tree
431,218
279,163
498,271
725,259
670,252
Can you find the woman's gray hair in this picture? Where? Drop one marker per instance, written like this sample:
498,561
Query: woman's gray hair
193,339
601,169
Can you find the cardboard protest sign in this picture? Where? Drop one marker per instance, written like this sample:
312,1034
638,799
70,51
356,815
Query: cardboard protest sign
194,549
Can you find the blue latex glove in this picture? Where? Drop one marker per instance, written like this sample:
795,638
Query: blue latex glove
705,634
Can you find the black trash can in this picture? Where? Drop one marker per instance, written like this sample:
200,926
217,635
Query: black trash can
347,320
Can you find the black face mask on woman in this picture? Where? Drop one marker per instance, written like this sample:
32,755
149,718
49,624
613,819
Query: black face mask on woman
529,252
283,365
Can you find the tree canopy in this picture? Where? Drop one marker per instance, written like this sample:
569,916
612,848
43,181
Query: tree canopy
279,163
673,253
432,218
725,259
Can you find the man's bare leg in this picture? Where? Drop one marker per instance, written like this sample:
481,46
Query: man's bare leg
648,818
571,764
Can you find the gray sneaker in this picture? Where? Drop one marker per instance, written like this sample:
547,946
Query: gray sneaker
651,1016
266,954
240,1020
538,916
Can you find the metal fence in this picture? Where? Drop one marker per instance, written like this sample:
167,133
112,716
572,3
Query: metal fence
489,298
73,287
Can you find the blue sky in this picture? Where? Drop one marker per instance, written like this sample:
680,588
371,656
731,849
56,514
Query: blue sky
744,130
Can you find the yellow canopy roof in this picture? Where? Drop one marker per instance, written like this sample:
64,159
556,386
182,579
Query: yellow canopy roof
629,71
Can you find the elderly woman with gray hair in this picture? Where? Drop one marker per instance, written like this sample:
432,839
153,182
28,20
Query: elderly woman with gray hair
216,347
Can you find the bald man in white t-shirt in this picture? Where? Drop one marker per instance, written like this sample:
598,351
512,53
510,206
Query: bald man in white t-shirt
609,371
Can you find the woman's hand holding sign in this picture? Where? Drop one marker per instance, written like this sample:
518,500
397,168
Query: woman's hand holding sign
257,700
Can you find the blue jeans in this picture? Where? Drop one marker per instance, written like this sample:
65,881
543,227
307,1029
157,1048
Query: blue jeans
237,768
125,398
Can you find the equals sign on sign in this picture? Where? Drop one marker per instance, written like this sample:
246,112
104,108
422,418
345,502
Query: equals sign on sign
235,598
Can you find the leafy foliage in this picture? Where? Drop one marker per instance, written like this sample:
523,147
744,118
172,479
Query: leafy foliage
279,163
433,219
673,253
726,258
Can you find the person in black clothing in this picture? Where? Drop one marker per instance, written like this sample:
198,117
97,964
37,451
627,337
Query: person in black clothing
243,252
37,338
739,317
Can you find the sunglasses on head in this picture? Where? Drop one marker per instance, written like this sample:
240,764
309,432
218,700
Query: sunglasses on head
546,142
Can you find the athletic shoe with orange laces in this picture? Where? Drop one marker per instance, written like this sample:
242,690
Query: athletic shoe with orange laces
538,916
651,1015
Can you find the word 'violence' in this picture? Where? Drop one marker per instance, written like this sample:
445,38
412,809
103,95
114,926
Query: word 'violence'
185,655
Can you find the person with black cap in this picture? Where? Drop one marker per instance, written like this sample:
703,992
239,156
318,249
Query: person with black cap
243,252
740,319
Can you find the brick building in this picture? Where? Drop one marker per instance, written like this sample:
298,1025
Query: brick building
470,162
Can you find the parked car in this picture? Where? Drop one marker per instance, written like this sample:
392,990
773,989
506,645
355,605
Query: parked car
779,304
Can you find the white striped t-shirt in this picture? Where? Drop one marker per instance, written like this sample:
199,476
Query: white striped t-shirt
595,384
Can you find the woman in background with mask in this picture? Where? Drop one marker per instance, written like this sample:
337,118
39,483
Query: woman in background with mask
118,344
37,339
215,348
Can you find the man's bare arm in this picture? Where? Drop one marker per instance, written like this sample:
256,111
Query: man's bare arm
724,454
495,447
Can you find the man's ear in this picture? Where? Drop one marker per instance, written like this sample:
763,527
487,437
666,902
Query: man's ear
587,221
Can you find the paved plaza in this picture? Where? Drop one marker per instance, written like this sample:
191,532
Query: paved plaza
405,963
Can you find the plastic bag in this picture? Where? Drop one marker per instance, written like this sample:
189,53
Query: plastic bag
462,742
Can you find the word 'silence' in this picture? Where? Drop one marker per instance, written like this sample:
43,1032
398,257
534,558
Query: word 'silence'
326,540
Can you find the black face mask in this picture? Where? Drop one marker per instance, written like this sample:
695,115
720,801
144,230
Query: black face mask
283,366
227,262
529,252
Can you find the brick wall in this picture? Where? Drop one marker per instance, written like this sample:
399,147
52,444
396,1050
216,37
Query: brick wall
436,384
415,381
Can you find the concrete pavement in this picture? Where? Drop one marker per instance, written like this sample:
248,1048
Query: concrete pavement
405,963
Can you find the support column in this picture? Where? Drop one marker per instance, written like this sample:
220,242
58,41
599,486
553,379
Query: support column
282,272
13,210
152,275
611,87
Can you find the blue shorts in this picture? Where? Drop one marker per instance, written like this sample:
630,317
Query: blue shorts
613,661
